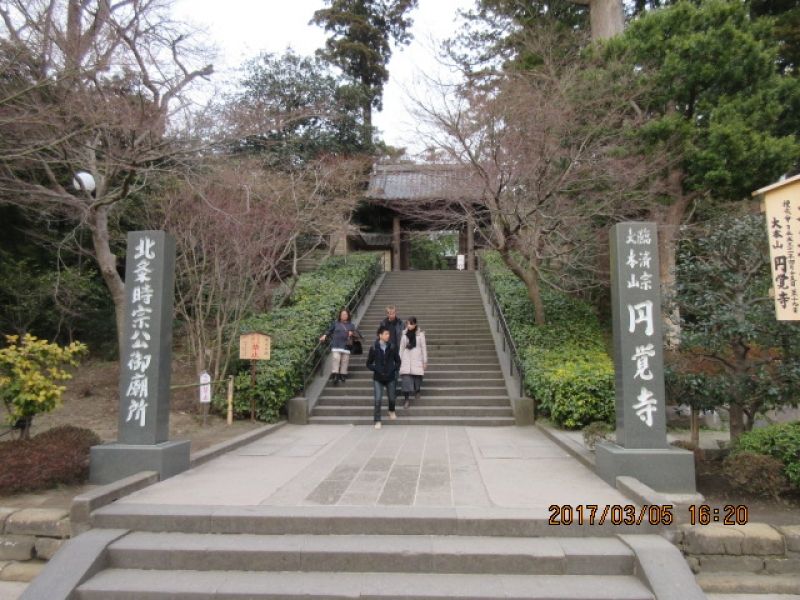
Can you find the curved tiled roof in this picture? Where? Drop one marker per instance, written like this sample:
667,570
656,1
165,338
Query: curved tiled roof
422,182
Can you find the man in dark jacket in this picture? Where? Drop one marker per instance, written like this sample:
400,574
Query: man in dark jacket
384,362
395,326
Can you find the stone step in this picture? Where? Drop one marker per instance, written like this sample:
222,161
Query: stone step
422,402
349,520
417,410
368,553
439,377
452,366
464,421
136,584
332,391
722,582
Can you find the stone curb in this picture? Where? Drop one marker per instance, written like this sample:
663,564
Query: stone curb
661,567
84,504
84,556
568,445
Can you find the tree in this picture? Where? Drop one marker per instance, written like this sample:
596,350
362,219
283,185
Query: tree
292,110
497,32
547,160
718,96
29,370
236,225
728,320
362,34
90,85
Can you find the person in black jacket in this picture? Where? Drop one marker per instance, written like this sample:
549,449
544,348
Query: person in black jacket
384,362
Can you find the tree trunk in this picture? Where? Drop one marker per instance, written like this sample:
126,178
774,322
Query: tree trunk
669,220
531,280
695,427
736,421
107,261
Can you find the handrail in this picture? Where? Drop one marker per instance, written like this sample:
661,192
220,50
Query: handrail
317,355
497,312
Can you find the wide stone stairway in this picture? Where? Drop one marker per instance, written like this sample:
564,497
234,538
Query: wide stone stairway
341,553
463,384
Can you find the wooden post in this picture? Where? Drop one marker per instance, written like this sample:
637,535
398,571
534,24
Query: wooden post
470,244
395,243
253,397
230,400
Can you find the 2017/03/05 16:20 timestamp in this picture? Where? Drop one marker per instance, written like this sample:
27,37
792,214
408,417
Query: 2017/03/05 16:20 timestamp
631,514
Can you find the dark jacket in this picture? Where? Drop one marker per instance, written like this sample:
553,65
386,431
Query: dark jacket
337,333
383,364
395,329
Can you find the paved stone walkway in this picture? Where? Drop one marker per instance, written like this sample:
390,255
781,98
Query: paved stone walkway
449,466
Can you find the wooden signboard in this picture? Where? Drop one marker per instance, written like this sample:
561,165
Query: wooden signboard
254,346
781,203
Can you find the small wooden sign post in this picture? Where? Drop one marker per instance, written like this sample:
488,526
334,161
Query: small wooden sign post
254,346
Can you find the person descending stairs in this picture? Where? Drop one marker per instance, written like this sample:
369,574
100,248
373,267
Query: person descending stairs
463,384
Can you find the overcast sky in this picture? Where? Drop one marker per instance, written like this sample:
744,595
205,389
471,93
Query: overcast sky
244,28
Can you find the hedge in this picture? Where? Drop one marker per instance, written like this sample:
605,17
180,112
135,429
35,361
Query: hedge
295,331
54,457
567,368
780,441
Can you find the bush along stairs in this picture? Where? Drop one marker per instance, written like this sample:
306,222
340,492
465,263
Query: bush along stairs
463,384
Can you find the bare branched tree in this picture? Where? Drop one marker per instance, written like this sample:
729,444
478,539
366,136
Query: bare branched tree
90,85
235,226
548,159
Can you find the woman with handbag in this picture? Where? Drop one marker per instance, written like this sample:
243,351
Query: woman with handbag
414,360
345,339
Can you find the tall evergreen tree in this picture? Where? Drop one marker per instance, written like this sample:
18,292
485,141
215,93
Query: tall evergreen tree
362,34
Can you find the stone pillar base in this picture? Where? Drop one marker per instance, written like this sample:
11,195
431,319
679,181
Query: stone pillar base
114,461
298,411
523,411
663,469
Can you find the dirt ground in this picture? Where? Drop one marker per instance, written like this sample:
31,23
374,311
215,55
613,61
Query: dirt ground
91,401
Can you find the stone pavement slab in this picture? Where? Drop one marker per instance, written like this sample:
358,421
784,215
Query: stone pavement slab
11,590
414,466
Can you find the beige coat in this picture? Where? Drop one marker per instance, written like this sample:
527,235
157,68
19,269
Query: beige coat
413,361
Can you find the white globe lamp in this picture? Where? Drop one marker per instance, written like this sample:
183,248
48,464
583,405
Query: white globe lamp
83,181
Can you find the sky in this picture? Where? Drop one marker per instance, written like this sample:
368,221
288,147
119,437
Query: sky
241,29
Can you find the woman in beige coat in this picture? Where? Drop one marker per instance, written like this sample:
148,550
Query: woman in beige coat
413,360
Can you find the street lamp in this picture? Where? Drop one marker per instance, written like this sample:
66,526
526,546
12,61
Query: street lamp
83,182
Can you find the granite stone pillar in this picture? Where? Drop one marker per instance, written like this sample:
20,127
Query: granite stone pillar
145,367
641,448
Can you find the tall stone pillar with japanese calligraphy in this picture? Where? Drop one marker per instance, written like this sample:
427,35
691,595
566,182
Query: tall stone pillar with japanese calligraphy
641,448
145,367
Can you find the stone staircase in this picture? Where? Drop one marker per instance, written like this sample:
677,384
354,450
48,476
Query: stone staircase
355,552
463,384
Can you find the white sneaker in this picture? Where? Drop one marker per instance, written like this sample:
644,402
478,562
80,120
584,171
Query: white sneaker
392,414
377,424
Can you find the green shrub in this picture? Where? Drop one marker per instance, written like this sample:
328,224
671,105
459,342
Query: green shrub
295,331
756,474
780,441
56,456
595,432
567,368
